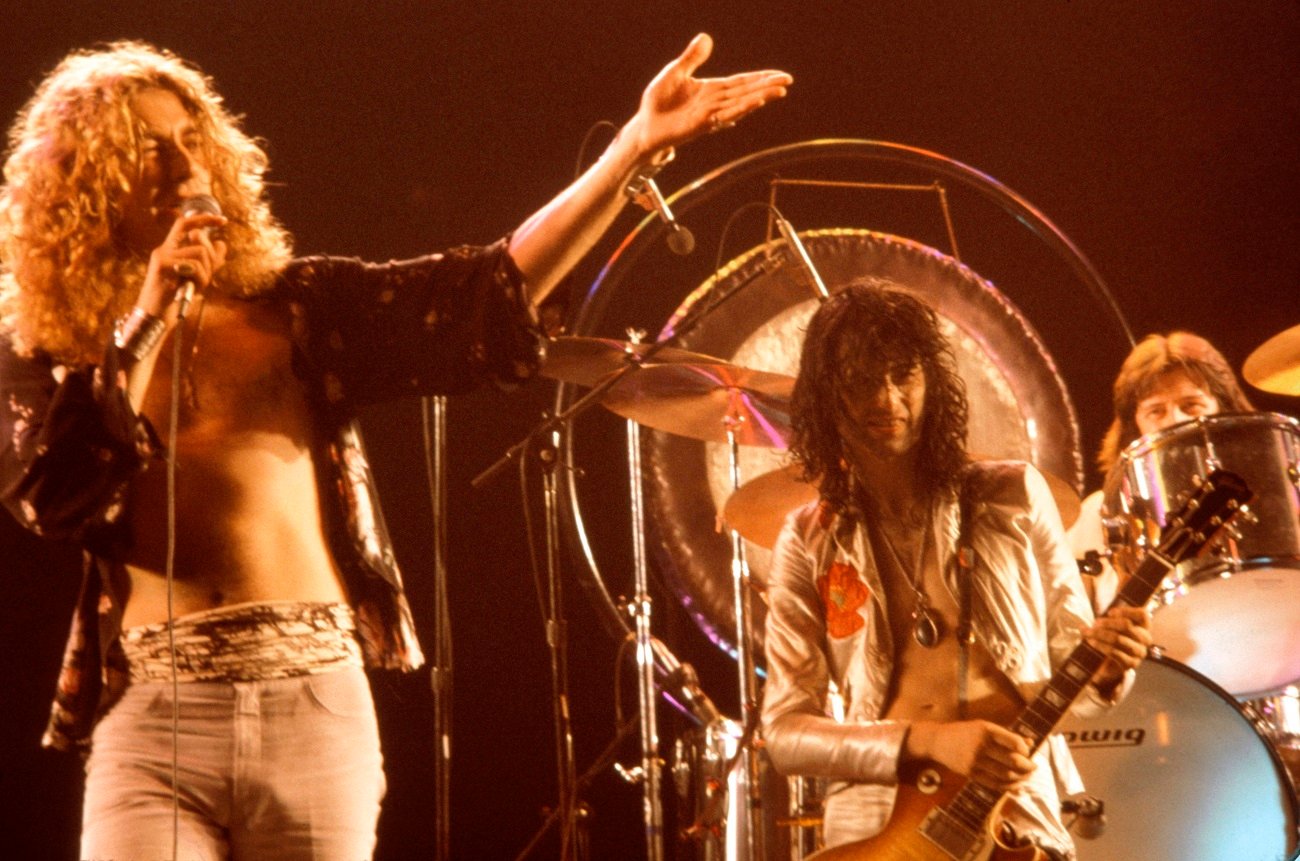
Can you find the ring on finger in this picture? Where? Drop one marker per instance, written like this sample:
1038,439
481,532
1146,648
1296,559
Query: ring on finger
183,269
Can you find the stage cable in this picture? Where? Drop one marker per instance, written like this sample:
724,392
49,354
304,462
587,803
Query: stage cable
173,424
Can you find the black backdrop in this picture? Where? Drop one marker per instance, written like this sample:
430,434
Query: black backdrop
1162,137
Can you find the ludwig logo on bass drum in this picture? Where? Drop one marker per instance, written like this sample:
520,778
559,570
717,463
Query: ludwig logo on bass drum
1131,737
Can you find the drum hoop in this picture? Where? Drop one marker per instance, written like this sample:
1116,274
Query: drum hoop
1145,445
1279,767
1189,573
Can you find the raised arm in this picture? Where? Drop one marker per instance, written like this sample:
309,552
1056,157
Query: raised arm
675,108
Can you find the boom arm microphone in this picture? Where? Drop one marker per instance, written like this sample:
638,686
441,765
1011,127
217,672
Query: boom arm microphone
645,192
800,253
682,683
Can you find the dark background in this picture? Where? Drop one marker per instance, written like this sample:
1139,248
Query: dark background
1161,137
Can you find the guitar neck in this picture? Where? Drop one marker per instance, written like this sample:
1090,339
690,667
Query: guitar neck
1201,517
1035,723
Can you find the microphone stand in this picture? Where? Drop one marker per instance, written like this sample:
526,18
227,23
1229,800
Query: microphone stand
435,446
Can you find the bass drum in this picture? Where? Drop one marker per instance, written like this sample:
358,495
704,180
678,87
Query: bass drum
1181,773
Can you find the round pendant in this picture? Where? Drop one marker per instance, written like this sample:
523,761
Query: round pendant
926,631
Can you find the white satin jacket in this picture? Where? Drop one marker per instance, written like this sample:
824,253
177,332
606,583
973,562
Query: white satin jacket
1028,606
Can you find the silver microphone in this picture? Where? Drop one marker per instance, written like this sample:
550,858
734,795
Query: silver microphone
199,204
791,238
645,192
681,681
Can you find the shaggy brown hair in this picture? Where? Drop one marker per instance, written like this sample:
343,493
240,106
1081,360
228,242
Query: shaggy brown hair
1144,370
74,151
878,327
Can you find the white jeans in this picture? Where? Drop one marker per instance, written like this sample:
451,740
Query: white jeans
276,769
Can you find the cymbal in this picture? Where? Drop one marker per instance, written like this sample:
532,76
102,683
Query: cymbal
1275,364
1067,499
586,361
758,508
1063,493
702,401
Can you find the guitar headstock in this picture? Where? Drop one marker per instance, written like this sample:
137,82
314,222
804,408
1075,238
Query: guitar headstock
1211,507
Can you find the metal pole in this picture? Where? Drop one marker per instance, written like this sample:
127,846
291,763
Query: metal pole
651,773
752,820
435,441
557,639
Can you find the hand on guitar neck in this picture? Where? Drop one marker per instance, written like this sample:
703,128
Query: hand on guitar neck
1123,636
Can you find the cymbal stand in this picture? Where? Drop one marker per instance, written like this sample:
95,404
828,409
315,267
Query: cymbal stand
557,641
752,821
544,437
651,775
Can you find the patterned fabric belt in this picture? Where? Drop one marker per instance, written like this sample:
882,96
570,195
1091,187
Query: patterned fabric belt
246,642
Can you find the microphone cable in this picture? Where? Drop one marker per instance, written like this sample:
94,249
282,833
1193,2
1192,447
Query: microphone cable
169,571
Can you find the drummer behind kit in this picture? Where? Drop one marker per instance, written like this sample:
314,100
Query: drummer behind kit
1208,740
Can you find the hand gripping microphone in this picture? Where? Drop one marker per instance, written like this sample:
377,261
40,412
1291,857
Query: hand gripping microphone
199,204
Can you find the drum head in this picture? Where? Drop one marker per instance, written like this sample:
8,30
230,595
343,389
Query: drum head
1182,774
1228,614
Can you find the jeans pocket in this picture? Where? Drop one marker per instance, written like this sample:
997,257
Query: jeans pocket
344,694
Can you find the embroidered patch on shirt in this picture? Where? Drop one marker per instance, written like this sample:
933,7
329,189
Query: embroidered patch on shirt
843,592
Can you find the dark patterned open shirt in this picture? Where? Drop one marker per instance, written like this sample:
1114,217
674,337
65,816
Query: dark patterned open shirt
70,444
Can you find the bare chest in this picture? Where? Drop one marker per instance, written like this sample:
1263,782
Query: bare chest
235,374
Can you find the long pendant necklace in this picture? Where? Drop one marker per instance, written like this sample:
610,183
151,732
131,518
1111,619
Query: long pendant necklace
191,385
927,627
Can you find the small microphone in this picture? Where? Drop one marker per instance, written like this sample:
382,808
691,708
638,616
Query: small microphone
1090,816
199,204
645,192
682,682
791,238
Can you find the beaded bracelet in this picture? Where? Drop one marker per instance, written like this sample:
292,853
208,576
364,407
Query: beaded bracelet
138,333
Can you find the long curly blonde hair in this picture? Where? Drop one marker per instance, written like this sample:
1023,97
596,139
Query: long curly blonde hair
74,151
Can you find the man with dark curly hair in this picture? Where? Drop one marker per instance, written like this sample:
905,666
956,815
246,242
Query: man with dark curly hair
882,651
214,671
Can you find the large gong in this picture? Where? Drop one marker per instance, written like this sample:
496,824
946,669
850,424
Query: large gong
1019,407
1019,404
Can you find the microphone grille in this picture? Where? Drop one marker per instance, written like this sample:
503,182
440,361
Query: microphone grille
200,204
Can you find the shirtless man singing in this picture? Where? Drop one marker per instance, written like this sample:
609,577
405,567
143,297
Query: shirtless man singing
244,622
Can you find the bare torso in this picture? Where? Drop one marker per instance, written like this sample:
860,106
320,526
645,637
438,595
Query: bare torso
248,518
924,686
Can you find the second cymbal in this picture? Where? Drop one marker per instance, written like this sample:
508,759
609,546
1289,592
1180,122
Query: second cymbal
1274,366
758,508
704,401
585,361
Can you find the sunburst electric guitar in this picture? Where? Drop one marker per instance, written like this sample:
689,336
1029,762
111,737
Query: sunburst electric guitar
939,815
